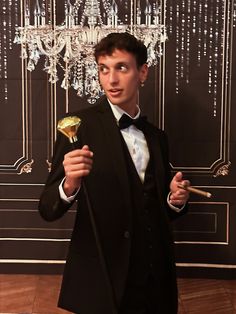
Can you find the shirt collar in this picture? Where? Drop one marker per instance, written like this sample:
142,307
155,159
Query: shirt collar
118,112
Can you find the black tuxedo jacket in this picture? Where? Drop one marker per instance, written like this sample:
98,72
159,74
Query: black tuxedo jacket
84,288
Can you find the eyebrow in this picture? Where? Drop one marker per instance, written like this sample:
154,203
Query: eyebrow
117,64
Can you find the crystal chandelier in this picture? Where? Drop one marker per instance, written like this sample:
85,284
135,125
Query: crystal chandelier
70,45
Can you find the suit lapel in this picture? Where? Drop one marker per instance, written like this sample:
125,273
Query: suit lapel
154,146
113,144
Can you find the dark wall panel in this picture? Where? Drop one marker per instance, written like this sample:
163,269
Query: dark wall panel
190,94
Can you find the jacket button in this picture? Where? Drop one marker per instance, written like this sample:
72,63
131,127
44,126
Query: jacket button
126,234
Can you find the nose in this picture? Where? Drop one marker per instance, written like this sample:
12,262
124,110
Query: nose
113,77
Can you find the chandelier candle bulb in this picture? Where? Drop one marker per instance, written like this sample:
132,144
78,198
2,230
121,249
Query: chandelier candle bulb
195,190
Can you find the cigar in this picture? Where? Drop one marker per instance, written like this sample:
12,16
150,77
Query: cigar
194,190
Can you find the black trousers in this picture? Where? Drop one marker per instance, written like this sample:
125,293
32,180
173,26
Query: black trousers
147,299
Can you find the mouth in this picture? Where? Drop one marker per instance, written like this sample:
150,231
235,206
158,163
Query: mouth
115,92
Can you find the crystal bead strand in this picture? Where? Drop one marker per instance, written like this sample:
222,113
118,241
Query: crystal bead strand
216,51
199,32
177,49
170,17
80,80
182,39
210,53
5,47
234,13
189,28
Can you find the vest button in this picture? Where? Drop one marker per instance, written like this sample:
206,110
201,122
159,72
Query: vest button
126,234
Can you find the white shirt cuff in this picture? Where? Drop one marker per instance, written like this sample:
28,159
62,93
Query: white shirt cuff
176,209
63,196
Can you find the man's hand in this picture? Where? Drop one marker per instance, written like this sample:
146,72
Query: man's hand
178,196
77,164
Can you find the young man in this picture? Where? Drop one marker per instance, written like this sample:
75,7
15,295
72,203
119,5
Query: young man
125,169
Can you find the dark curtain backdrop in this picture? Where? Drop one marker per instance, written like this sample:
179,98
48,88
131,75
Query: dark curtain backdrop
190,94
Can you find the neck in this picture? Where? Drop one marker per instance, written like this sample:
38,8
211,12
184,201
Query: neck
131,110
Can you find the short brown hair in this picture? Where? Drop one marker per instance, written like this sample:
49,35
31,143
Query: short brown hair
122,41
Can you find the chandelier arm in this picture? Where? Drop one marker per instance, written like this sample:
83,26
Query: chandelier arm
54,50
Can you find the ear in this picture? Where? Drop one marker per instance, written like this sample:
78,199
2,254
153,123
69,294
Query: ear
143,73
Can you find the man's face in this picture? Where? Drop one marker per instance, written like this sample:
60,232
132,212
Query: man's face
120,78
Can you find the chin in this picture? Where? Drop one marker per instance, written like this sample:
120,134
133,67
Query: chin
115,101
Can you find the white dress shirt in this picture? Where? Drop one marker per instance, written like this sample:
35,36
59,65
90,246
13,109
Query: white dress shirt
135,141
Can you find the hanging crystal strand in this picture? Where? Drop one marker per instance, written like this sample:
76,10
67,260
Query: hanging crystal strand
4,47
54,17
189,28
54,58
194,17
217,55
49,10
205,28
225,16
10,41
126,11
17,37
210,50
182,36
107,9
1,53
77,4
44,7
199,33
91,82
76,16
177,65
170,31
66,81
16,13
52,70
106,5
80,78
131,16
82,20
75,81
234,13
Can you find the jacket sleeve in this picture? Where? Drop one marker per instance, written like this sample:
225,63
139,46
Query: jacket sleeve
165,147
51,207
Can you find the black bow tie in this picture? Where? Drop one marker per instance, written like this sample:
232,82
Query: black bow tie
125,121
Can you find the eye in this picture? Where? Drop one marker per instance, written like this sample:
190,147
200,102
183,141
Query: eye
102,69
123,67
